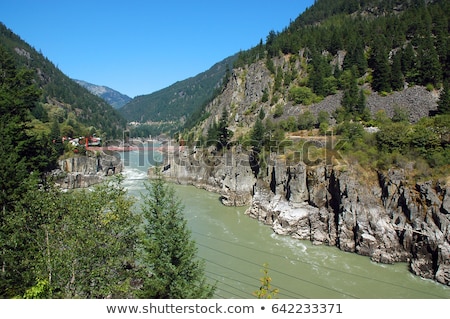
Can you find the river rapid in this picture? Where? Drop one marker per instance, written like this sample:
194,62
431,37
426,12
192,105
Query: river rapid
236,247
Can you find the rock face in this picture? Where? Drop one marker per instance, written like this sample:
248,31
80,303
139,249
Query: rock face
230,175
380,216
84,171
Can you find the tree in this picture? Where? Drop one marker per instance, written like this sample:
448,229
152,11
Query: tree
306,120
76,244
266,291
224,133
257,135
350,91
381,68
169,254
396,73
19,152
444,99
429,66
409,63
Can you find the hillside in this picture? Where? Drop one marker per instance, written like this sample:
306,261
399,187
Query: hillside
112,97
337,131
346,62
178,102
75,108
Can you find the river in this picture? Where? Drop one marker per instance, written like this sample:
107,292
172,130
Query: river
236,247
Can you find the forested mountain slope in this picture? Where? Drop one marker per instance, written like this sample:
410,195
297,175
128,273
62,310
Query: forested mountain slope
74,107
179,103
348,60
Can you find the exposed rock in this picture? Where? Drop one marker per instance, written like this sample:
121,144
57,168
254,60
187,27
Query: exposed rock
85,171
229,175
387,219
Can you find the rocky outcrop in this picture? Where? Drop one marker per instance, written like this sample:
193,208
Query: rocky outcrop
387,220
380,216
85,171
229,175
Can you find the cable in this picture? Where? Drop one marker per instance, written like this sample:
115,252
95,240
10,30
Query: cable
295,296
301,279
314,265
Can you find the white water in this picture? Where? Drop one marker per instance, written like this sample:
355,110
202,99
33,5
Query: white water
235,247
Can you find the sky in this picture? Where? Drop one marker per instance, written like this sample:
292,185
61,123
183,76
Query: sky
141,46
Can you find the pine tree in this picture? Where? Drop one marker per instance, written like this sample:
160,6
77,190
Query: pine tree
444,100
224,134
409,63
169,253
257,135
396,73
381,69
350,91
429,66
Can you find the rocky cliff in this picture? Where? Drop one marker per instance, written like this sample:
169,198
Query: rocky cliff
84,171
382,216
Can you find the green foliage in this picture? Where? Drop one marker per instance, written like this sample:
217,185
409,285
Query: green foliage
279,110
426,144
60,90
266,291
302,95
218,133
444,99
40,291
20,151
70,244
306,120
169,253
185,99
400,115
393,137
257,134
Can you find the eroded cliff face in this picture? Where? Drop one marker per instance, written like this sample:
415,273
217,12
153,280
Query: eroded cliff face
229,175
85,171
380,216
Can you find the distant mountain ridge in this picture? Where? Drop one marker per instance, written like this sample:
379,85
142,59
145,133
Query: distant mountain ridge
179,101
113,97
62,98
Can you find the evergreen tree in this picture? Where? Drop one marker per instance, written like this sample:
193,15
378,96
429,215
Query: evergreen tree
257,135
18,153
213,134
409,63
381,69
444,100
396,73
429,66
362,112
350,91
224,134
169,253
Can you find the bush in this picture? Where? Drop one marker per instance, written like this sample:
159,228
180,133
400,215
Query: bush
302,95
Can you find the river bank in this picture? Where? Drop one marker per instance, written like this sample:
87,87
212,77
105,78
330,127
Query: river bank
383,216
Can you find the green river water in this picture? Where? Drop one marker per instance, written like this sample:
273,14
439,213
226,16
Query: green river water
235,248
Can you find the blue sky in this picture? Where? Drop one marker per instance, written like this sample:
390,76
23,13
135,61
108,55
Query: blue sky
138,47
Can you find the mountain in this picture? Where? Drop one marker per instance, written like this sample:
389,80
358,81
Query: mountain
113,97
350,59
179,101
337,130
77,110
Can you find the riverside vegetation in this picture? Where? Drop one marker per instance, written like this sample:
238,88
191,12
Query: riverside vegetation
329,74
352,96
81,244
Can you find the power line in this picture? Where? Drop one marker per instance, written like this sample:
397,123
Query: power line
298,278
314,265
295,295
